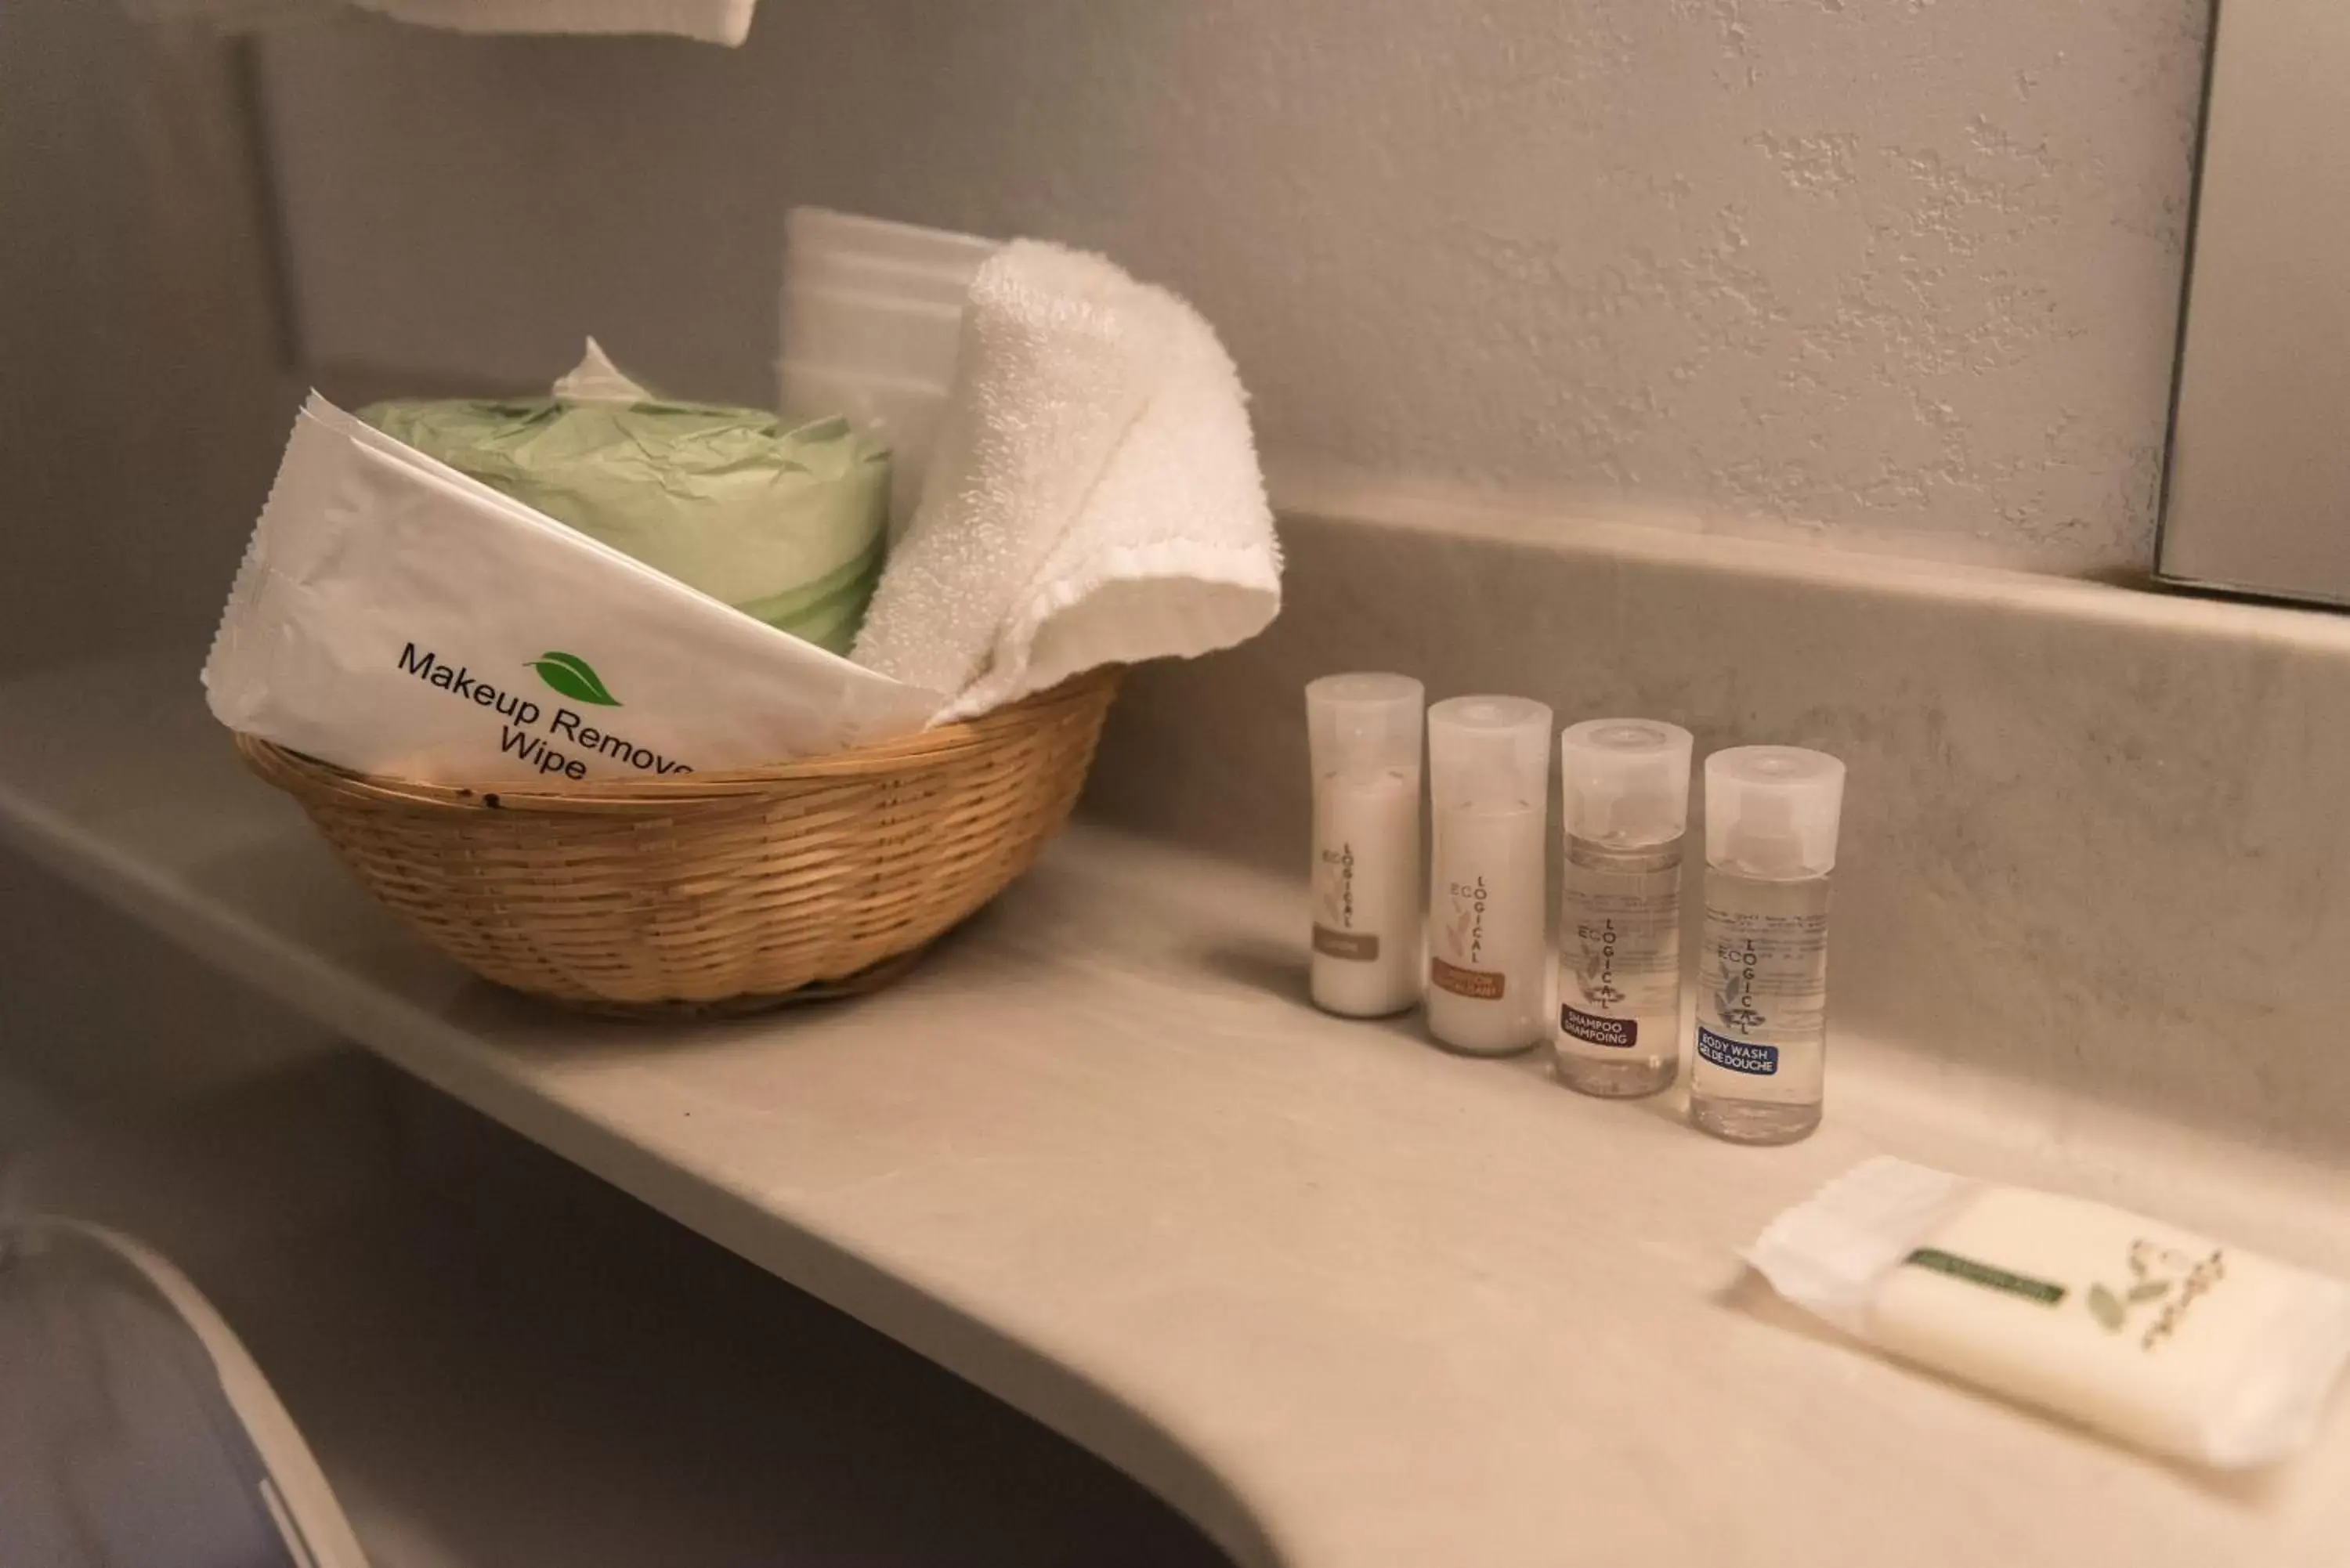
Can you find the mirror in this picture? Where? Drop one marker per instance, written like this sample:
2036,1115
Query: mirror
2256,494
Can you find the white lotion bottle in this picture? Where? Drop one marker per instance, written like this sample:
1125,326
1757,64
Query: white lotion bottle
1489,772
1623,788
1759,1071
1363,732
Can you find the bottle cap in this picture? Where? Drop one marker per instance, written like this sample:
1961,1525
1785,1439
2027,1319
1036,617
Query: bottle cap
1360,725
1625,781
1489,751
1771,811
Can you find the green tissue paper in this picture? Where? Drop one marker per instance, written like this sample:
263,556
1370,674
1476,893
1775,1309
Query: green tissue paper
787,526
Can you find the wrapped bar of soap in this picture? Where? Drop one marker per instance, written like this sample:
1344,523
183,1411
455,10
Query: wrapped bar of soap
2148,1333
786,526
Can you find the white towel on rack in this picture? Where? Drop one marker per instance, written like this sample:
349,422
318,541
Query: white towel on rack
712,21
1094,497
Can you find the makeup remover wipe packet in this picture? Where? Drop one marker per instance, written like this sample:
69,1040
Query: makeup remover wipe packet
394,616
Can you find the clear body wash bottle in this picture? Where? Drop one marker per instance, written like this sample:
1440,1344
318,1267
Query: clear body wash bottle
1771,817
1623,787
1363,731
1489,798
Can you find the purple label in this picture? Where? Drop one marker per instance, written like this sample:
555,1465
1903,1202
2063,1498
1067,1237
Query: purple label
1596,1029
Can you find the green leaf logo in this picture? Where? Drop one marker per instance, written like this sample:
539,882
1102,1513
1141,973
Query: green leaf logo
574,678
2105,1307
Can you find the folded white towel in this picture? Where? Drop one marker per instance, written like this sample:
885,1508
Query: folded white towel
1094,499
712,21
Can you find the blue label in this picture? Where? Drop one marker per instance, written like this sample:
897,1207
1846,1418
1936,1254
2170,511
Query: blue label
1763,1061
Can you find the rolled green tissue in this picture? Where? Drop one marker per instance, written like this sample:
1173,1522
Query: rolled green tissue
787,526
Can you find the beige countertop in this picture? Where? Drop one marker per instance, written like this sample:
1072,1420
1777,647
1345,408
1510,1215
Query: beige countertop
1343,1298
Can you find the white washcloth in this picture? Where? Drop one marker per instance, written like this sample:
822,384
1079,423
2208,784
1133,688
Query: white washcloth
712,21
1094,497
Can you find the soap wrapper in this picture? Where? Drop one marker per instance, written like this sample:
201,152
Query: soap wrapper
393,616
2137,1328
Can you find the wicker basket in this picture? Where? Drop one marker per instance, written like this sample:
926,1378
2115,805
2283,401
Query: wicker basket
720,892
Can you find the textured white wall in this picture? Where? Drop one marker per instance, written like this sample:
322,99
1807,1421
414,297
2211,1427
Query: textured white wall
1895,271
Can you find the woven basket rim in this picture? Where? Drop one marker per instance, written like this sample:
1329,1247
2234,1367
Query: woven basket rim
302,775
